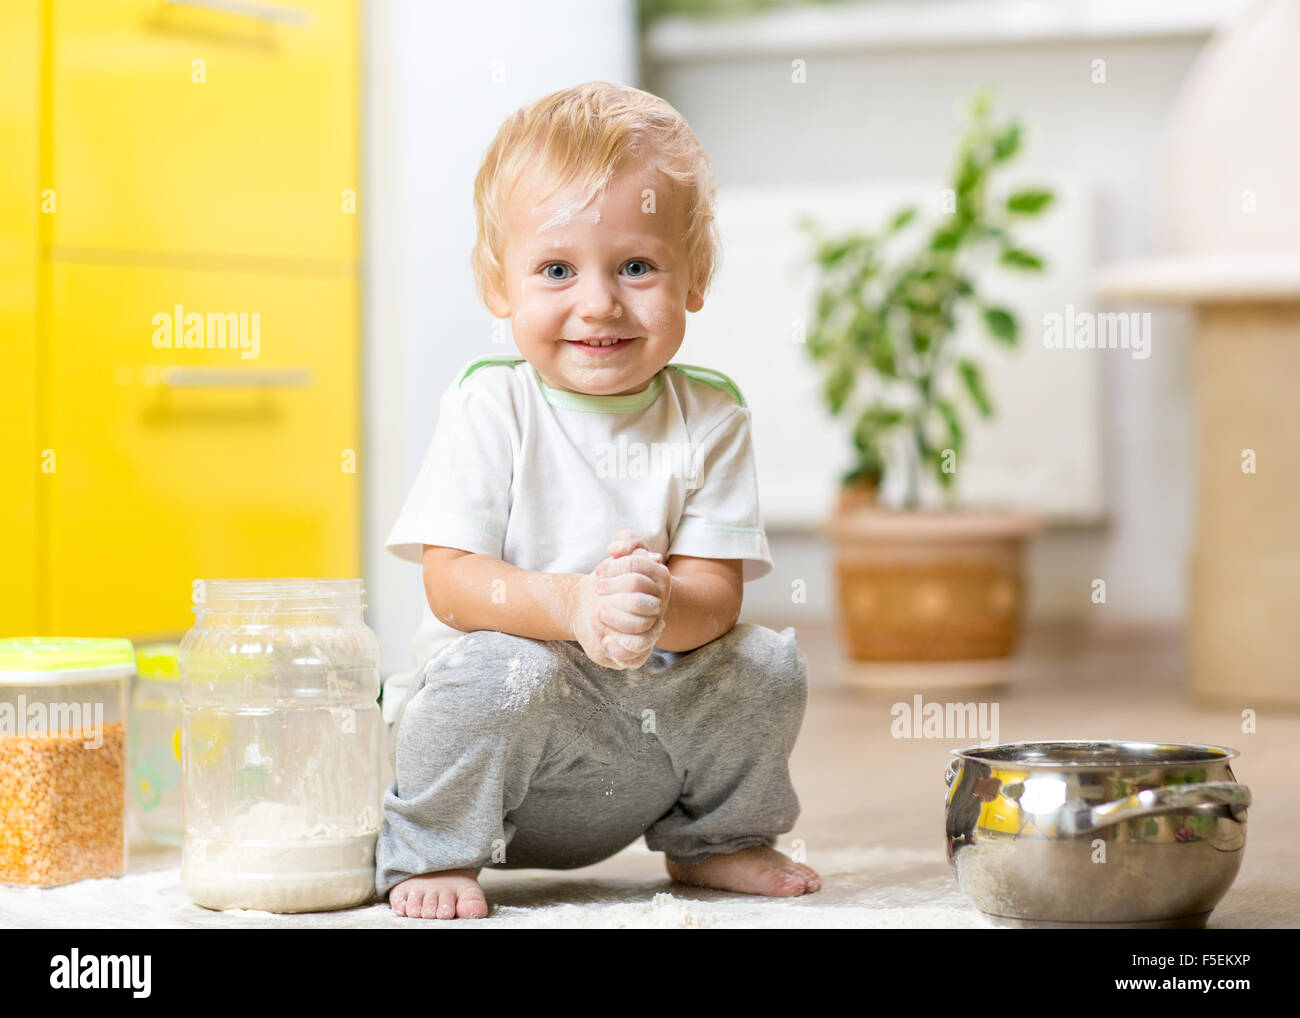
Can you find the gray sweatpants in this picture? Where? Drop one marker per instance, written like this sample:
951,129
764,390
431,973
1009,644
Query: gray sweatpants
518,753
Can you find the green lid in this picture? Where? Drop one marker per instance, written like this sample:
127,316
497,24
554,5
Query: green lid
157,662
63,653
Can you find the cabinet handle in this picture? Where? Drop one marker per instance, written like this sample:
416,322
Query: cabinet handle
277,13
234,378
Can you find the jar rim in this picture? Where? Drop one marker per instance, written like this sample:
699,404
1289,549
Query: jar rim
277,594
1068,754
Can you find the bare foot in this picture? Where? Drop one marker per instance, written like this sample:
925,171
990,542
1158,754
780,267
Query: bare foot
451,894
754,870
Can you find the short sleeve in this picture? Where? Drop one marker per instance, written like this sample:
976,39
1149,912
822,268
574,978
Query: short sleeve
461,496
721,516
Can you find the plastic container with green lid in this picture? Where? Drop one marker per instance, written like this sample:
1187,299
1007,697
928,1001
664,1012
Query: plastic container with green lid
156,745
63,717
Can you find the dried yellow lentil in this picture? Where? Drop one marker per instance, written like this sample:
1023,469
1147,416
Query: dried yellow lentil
62,806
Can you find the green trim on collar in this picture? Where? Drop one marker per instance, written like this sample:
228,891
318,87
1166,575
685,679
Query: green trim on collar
711,377
628,404
508,359
609,404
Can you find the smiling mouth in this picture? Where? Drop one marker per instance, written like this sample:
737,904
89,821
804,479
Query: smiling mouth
601,344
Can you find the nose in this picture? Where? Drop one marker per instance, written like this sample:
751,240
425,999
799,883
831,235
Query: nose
598,300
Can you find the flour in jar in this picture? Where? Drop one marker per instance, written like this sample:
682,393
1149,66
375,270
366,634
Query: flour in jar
278,857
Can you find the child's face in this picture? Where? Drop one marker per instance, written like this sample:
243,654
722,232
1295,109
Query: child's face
607,270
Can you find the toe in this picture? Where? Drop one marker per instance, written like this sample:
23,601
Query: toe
472,904
446,907
812,880
784,883
397,899
429,906
414,903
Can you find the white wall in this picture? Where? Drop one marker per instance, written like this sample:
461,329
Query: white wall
440,79
1012,461
883,111
885,108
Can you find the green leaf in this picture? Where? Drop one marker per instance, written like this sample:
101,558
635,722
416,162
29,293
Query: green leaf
1029,202
945,240
875,420
1018,258
882,356
948,412
1001,324
1007,144
901,219
974,382
838,387
826,304
923,294
833,252
871,424
969,174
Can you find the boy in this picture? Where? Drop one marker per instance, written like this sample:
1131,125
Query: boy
586,516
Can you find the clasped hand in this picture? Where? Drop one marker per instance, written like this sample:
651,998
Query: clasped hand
618,610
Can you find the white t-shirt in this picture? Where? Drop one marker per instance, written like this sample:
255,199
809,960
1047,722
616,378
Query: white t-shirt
543,478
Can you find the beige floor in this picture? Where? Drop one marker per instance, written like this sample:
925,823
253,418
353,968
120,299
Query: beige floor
859,784
872,817
864,791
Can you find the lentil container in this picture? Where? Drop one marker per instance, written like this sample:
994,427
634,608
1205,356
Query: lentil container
63,759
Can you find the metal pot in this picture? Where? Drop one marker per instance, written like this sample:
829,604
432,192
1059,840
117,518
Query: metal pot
1095,833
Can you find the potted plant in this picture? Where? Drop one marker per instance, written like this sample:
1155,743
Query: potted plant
916,583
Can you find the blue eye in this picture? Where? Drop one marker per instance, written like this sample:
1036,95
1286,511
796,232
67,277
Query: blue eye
647,268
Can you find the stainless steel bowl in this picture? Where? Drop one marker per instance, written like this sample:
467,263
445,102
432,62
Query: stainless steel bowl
1095,833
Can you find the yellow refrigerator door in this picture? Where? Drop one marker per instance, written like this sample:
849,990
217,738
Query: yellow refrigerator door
232,456
179,128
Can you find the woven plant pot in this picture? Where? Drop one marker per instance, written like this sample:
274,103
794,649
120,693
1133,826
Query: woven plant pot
928,586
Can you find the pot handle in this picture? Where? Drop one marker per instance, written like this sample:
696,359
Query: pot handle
1159,800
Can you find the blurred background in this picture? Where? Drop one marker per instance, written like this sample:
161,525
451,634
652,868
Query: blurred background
293,181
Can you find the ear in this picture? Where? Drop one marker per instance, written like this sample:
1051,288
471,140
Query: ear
496,300
694,301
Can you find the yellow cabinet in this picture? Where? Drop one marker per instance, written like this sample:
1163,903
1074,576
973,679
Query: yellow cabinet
177,463
186,164
178,128
19,211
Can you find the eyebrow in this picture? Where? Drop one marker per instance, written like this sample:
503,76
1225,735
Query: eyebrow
642,241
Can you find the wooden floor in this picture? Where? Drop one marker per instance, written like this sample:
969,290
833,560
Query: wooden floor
872,819
859,785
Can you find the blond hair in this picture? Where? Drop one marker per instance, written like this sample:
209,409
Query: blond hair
581,136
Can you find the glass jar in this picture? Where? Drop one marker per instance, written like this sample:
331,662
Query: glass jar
63,759
281,745
155,745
